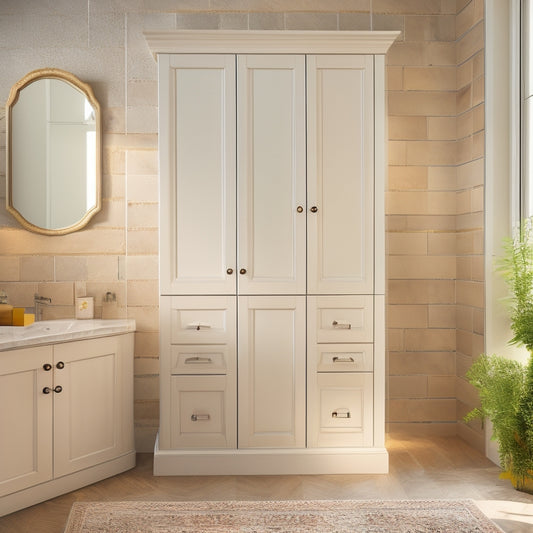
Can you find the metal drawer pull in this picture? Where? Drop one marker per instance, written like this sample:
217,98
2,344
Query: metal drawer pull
341,325
196,418
198,326
347,359
198,360
341,413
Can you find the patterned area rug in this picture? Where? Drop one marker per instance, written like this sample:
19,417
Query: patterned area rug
326,516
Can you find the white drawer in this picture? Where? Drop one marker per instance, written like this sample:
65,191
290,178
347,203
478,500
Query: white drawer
201,359
340,319
341,357
202,319
340,410
203,412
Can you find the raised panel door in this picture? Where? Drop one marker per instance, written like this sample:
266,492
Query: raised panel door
271,174
25,419
271,371
87,411
197,167
340,174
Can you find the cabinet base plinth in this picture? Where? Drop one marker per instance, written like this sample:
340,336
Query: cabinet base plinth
270,461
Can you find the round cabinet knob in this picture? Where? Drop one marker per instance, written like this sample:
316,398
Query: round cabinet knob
242,271
58,388
229,271
300,209
47,390
314,209
47,367
60,365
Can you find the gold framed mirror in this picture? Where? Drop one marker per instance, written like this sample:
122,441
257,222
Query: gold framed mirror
53,152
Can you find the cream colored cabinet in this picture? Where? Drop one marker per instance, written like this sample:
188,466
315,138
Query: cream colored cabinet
198,240
198,372
271,174
272,159
271,376
340,174
66,417
93,413
25,418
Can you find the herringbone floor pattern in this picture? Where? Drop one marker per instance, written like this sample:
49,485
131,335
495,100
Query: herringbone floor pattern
420,468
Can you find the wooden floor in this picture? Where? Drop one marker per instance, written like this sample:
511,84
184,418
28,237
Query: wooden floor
439,468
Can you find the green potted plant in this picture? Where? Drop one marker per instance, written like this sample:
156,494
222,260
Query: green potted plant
506,386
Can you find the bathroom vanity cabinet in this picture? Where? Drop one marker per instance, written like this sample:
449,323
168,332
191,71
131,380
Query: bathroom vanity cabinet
66,417
272,160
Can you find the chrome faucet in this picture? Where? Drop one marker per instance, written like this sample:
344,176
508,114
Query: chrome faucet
38,301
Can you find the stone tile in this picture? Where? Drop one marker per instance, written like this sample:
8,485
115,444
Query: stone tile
408,386
355,21
407,128
430,28
9,268
70,268
143,188
143,293
266,21
407,316
146,343
36,268
311,21
142,267
442,316
102,268
407,178
421,291
404,243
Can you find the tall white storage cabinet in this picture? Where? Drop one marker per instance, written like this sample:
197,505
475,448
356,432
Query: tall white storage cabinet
272,161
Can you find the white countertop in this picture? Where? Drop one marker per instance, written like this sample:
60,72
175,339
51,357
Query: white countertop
64,330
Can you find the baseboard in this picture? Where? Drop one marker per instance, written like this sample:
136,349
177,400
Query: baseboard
270,461
55,487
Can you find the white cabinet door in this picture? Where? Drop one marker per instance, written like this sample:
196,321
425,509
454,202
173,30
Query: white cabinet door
271,174
25,418
340,174
271,371
94,403
197,167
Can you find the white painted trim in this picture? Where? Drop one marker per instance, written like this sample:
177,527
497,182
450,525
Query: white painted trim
261,462
501,170
269,41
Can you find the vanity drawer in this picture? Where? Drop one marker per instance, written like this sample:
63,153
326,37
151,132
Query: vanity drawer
203,412
202,319
341,357
340,319
201,359
340,412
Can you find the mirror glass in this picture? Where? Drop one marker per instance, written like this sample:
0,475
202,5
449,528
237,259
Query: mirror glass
53,152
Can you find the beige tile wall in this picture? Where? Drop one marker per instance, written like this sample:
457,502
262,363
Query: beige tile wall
433,205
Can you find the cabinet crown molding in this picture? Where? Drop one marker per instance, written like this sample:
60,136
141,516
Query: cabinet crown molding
269,41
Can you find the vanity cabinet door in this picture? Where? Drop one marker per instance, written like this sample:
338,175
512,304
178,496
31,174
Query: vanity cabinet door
94,403
25,418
